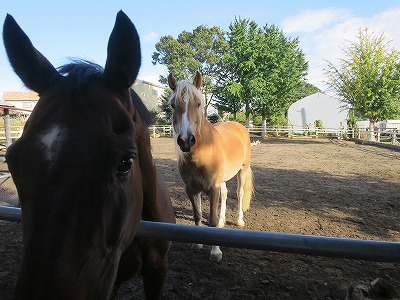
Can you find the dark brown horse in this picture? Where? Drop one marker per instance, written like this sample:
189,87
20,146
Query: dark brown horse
85,174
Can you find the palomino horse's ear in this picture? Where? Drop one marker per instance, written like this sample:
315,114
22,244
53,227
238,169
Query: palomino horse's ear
171,82
197,80
123,53
29,64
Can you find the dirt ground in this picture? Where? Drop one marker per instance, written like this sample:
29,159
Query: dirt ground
302,186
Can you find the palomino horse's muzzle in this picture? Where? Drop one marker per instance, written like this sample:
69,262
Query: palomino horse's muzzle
186,145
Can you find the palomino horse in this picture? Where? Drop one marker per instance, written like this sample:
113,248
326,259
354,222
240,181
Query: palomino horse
209,155
85,174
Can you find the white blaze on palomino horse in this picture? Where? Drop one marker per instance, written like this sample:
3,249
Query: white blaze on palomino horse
209,155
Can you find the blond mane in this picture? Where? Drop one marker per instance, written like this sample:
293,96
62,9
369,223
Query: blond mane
185,90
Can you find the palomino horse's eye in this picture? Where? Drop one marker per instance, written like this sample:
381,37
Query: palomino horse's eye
198,105
124,166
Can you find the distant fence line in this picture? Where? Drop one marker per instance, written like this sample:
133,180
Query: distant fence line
387,136
391,135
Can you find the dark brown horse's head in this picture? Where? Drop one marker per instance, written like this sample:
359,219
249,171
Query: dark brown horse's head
76,167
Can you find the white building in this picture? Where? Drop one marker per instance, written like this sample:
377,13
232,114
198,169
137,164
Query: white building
150,93
23,100
318,106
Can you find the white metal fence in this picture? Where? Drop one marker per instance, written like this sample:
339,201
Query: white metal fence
390,136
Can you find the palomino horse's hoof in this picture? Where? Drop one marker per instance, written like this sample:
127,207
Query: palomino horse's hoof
215,257
240,223
197,246
216,254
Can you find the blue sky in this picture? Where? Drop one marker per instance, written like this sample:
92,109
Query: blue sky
63,29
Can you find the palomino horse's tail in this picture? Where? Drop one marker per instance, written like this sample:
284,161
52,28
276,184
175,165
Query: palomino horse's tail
247,189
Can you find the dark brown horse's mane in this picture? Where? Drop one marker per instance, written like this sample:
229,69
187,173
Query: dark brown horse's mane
80,73
141,108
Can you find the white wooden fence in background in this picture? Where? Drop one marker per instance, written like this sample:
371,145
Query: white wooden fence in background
390,136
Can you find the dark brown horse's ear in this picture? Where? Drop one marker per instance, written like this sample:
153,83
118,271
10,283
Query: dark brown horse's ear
36,72
197,80
123,53
171,82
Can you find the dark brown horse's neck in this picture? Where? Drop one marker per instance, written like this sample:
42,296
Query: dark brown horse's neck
149,180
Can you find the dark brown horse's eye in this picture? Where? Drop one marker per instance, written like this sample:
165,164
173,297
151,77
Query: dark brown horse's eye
124,166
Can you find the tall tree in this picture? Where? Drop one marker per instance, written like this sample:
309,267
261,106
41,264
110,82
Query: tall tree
283,70
242,60
367,79
200,50
267,65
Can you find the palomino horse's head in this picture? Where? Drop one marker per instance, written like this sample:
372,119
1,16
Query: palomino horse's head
76,167
187,104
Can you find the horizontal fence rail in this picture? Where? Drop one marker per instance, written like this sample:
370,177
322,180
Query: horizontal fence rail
257,240
390,135
8,213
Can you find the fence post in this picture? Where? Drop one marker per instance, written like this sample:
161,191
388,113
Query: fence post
263,129
394,137
7,127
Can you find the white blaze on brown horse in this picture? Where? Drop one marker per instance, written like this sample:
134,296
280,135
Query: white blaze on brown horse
85,174
209,155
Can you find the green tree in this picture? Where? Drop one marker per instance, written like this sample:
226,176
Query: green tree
367,79
228,96
200,50
267,66
304,89
241,63
283,71
165,106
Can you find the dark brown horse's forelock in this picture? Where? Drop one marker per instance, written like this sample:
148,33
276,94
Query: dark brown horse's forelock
80,73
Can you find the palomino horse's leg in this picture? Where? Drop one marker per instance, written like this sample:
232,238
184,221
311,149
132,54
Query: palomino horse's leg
214,196
241,178
196,204
224,195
